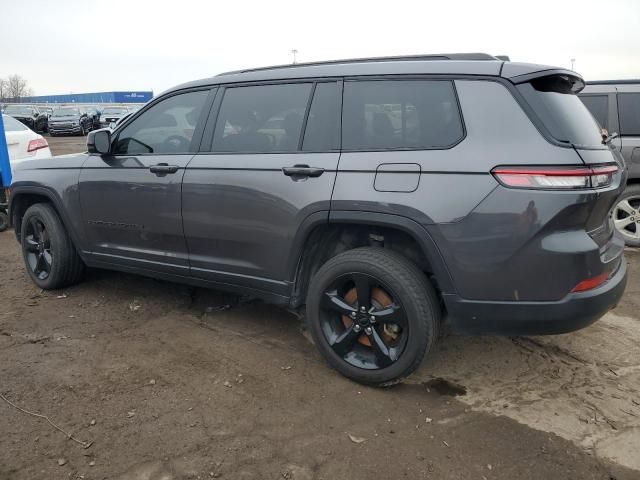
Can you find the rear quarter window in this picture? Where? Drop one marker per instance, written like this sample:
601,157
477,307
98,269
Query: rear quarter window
560,110
629,111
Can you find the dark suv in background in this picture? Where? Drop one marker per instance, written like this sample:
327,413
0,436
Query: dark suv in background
616,106
30,115
70,120
391,197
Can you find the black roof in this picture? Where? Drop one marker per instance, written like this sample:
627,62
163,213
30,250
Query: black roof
404,58
480,64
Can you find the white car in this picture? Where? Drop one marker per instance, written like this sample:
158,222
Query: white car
23,143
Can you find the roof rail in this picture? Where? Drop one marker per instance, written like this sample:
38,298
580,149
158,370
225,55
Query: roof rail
402,58
613,82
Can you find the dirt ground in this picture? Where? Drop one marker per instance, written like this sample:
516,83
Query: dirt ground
172,382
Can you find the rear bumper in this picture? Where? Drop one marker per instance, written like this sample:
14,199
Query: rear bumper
573,312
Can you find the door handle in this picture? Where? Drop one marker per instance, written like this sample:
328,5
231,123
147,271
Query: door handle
162,169
302,171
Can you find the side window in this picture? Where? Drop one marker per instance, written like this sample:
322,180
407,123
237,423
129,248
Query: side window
598,105
261,119
629,111
166,128
321,133
387,114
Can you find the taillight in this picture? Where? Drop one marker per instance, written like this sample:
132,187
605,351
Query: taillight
591,283
555,178
37,144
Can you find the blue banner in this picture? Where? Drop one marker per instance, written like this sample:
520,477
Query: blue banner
5,166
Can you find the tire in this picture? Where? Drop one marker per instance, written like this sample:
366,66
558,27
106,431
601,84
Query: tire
4,221
414,302
49,255
626,215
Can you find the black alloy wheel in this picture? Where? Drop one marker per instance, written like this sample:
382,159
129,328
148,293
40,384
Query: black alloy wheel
38,248
372,314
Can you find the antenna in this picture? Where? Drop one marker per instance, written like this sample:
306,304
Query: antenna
295,53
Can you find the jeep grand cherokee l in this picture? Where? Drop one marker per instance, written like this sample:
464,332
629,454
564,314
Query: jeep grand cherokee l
391,197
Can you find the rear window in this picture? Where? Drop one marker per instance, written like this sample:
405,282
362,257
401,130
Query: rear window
598,105
560,110
400,114
629,107
261,119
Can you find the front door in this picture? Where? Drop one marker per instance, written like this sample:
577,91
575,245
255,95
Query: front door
263,174
131,198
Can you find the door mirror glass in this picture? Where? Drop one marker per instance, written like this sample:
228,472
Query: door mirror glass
99,141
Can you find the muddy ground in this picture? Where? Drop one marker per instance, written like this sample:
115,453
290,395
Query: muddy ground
172,382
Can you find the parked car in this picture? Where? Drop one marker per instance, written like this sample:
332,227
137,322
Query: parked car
112,115
70,120
390,198
47,111
30,115
94,114
616,106
22,142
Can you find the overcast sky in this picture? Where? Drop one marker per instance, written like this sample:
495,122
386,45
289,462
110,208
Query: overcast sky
85,46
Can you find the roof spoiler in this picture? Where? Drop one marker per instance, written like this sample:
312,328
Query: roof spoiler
577,82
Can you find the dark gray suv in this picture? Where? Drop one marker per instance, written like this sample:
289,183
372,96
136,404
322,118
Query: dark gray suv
615,104
392,197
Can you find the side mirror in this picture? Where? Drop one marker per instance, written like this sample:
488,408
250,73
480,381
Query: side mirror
99,141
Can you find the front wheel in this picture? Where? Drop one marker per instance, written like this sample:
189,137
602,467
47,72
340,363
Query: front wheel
49,255
373,315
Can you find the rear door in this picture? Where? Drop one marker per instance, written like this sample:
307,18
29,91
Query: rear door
131,198
258,178
629,116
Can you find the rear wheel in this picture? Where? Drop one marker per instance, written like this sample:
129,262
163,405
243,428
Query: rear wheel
626,215
373,315
49,255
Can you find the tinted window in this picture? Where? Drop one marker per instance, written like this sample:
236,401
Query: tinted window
321,133
561,111
12,125
629,107
400,114
165,128
598,105
265,118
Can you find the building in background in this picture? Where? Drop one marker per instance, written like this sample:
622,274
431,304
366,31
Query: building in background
95,97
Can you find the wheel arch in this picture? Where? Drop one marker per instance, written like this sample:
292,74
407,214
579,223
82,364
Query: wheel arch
323,236
23,197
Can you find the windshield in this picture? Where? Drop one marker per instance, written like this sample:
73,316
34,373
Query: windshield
554,101
12,125
65,112
114,111
18,110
